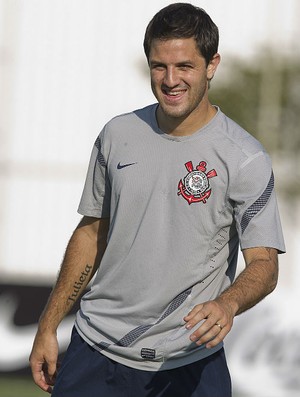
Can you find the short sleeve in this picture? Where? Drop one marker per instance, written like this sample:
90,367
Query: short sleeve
95,199
255,204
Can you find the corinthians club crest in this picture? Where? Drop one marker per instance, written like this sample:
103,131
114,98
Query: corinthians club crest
195,185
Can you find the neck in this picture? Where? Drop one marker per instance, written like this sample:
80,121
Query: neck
188,125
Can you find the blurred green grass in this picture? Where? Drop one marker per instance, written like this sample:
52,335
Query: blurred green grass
21,386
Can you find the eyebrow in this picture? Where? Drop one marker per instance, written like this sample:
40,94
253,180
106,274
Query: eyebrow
181,63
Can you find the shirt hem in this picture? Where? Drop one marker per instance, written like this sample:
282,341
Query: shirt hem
182,359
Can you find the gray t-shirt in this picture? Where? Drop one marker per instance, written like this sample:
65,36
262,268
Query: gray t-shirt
179,207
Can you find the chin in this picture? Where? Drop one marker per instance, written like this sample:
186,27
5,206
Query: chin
174,113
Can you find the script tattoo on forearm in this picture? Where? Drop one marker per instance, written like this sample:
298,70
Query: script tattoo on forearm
78,284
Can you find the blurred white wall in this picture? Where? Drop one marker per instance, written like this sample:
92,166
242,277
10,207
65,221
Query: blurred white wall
66,67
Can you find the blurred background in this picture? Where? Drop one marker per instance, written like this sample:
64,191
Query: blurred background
66,68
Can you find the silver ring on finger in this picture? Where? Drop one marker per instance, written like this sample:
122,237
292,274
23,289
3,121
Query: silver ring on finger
220,326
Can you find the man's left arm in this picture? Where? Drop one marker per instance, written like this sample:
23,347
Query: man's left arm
257,280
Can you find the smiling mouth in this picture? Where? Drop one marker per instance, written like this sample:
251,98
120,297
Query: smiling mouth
173,95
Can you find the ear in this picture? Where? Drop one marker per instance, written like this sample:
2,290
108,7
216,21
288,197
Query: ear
212,66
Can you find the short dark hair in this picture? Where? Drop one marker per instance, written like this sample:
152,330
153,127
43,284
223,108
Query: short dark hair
183,20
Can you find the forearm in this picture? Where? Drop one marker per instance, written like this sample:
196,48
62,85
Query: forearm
256,281
81,260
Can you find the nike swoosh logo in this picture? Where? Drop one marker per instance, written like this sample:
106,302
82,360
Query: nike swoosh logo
120,166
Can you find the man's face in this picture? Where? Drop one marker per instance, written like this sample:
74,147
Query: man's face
179,78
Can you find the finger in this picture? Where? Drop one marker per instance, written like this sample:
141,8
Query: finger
211,338
39,377
50,371
204,316
204,332
217,339
198,317
203,328
208,310
195,311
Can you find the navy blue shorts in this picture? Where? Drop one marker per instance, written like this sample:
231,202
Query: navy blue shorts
87,373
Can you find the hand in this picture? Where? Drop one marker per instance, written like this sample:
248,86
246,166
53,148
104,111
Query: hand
217,319
43,360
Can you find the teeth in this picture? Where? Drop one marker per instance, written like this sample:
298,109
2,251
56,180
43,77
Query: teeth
174,93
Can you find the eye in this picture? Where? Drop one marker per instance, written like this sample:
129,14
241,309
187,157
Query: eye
185,66
157,66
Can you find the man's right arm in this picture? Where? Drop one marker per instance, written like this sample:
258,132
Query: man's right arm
82,258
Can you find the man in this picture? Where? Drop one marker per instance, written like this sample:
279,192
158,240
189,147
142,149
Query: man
171,192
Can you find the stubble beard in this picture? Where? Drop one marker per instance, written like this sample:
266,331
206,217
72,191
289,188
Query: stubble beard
181,112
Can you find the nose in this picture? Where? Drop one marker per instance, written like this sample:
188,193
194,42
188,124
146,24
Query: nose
171,78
